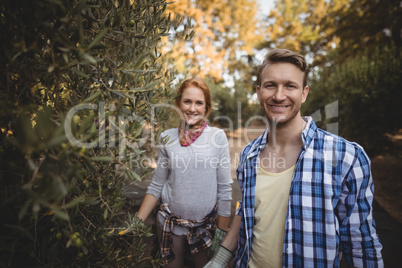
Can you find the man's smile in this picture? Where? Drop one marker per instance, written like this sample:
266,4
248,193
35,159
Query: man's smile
275,106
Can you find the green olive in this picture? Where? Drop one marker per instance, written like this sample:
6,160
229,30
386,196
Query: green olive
59,236
78,243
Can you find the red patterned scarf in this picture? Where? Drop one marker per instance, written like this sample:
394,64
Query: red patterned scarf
188,135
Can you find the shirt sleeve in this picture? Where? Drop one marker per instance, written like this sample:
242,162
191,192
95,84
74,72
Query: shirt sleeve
360,242
224,178
239,176
161,174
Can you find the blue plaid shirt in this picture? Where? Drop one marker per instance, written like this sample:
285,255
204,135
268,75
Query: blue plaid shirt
330,204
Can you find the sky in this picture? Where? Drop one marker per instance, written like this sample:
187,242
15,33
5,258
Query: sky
265,5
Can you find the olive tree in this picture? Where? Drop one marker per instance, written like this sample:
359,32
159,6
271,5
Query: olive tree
79,85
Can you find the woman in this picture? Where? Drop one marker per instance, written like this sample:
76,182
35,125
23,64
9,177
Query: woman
192,181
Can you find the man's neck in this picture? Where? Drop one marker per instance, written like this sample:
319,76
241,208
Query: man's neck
283,146
284,135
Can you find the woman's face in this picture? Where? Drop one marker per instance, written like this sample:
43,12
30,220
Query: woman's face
193,105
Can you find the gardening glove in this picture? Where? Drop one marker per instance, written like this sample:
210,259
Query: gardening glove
218,238
140,226
221,258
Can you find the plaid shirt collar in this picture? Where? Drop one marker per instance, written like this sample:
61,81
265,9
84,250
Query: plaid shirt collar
307,136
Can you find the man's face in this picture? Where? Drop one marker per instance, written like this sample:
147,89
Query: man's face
281,92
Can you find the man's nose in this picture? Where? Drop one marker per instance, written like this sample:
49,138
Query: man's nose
279,94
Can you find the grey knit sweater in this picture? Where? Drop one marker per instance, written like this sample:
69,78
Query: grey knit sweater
192,179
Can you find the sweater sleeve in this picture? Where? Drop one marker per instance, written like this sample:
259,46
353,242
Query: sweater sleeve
224,176
161,174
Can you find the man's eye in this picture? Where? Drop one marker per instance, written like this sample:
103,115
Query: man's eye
269,85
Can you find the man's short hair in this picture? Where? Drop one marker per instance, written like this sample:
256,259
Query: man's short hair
285,55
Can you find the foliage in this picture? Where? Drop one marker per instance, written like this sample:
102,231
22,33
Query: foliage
232,108
378,23
368,90
78,81
315,28
304,26
220,37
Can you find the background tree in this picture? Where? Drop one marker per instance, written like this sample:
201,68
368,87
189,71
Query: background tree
223,35
368,90
233,107
304,26
354,52
378,24
78,85
215,40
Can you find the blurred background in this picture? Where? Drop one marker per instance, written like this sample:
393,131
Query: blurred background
85,89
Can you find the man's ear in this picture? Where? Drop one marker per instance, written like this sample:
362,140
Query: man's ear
258,92
305,94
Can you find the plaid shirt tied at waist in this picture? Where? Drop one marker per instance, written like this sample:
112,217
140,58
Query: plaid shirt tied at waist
199,236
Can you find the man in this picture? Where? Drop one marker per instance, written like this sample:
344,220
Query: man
306,193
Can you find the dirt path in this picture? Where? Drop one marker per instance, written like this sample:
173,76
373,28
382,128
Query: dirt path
387,205
387,173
